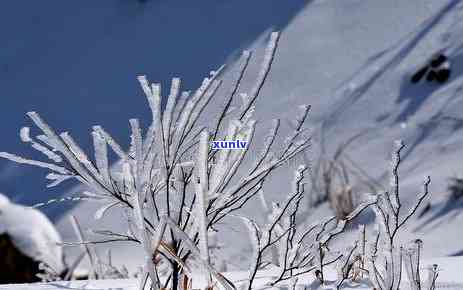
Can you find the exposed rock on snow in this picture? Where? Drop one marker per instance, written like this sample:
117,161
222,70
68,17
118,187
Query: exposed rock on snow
27,238
15,267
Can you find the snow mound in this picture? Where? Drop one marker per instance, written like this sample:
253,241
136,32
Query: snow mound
32,233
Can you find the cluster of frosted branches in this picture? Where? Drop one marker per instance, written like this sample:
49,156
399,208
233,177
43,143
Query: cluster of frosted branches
159,181
386,259
295,250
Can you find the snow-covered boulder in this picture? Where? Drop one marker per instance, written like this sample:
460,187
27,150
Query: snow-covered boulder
26,233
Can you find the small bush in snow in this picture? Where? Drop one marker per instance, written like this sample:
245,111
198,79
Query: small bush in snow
296,248
386,256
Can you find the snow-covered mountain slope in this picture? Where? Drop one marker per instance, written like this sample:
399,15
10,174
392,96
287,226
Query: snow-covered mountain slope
32,233
352,61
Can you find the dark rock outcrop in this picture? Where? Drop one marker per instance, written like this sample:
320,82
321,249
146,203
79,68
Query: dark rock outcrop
15,267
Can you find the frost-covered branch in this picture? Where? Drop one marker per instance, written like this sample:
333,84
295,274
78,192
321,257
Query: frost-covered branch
412,263
386,257
346,266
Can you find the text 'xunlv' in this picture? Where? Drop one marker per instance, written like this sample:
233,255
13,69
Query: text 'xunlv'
235,144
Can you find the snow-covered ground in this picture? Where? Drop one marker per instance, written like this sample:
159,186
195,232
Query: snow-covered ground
449,279
352,61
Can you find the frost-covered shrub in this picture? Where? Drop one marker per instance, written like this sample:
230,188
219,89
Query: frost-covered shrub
296,248
385,254
174,186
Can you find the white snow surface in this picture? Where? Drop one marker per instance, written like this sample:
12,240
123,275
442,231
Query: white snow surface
32,233
449,280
